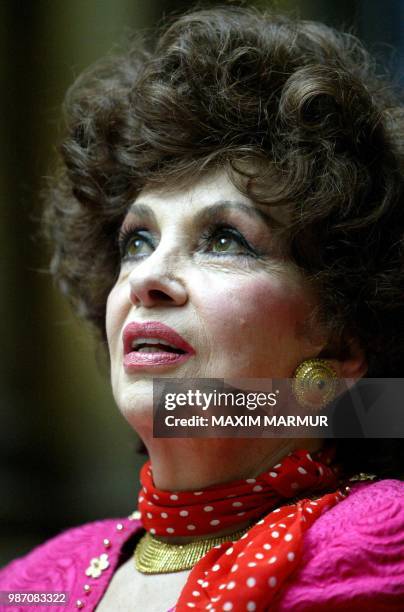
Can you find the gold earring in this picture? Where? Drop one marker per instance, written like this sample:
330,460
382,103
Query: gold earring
314,383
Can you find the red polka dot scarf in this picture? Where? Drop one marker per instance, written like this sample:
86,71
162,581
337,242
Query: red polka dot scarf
247,574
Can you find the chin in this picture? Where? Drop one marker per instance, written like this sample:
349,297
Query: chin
135,400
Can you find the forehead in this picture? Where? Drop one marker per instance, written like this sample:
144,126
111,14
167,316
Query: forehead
206,190
213,193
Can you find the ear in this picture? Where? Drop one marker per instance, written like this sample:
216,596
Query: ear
353,364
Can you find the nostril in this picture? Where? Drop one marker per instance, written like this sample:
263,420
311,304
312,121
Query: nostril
158,295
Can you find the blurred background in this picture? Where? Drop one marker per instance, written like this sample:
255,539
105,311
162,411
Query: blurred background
67,456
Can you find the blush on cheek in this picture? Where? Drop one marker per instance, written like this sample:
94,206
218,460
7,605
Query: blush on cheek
256,301
255,324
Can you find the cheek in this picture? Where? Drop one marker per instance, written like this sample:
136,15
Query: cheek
254,308
115,313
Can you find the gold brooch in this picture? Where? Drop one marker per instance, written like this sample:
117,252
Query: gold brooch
362,477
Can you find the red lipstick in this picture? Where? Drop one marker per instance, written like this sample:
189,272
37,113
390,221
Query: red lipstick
152,344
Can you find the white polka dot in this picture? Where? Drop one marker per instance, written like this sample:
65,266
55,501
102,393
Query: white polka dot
301,470
198,492
237,504
275,534
243,537
278,465
208,508
277,510
273,474
251,480
251,582
309,457
214,522
200,581
216,568
191,527
152,530
288,537
251,607
228,605
260,522
291,515
252,564
282,525
155,496
272,525
164,515
205,584
234,568
267,546
190,604
314,503
291,556
209,606
231,585
259,556
272,560
240,513
257,488
320,471
170,530
174,497
272,581
195,593
215,599
184,513
229,550
149,515
221,587
309,510
141,498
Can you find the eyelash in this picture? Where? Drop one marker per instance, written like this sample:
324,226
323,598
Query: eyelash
127,233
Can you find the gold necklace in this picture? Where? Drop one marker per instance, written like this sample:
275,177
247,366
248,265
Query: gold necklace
152,556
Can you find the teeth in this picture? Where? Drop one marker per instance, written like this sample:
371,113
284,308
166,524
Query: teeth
150,341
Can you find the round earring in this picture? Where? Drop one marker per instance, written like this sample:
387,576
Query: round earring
314,383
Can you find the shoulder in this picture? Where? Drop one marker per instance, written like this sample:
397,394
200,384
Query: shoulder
353,554
370,510
61,563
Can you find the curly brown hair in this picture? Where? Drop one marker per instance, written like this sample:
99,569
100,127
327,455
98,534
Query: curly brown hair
236,88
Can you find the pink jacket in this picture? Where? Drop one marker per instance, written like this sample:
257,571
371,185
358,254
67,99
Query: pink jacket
353,559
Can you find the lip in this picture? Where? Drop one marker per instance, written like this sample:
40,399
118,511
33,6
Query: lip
134,360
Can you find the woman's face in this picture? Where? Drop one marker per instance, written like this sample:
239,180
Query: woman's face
204,262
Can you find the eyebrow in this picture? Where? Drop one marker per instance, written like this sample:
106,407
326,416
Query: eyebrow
212,212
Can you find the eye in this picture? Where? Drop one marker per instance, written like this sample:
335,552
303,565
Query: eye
134,243
227,241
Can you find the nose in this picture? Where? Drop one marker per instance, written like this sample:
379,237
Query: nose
154,282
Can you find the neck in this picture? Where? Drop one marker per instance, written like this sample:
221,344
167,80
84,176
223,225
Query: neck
196,463
182,465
